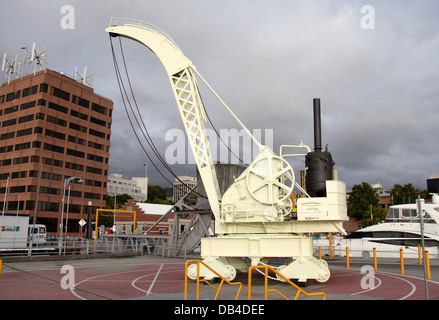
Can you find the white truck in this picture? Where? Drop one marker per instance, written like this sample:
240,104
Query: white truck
15,231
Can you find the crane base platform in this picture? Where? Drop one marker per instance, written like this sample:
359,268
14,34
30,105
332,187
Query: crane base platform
225,254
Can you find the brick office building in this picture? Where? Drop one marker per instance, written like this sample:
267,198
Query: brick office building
56,126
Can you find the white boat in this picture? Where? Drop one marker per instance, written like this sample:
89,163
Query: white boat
401,230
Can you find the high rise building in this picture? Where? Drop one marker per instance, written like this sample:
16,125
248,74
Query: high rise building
53,128
182,186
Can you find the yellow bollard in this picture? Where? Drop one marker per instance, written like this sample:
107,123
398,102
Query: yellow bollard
330,246
375,265
347,258
1,263
320,253
419,254
401,254
427,264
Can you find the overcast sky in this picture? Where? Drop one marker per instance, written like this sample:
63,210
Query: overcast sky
379,88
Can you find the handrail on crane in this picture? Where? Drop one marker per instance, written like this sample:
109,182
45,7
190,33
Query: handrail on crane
205,281
137,23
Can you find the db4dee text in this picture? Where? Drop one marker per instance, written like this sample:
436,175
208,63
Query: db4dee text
241,309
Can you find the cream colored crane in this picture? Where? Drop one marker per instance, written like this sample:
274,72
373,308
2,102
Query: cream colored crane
252,221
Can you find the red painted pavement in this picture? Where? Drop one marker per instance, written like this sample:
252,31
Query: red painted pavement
156,279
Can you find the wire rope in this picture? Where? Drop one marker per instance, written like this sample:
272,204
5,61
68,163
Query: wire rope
144,131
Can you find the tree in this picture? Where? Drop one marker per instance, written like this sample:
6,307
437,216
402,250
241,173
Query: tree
363,205
156,192
407,193
121,199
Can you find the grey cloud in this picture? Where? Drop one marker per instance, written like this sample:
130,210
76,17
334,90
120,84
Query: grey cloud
267,60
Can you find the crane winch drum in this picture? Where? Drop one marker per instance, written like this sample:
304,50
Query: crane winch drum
252,217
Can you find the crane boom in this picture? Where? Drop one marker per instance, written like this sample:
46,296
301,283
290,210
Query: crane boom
184,84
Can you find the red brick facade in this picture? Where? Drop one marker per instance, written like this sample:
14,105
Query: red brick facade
53,122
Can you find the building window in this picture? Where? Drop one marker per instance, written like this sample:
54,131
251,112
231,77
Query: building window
8,123
53,162
76,140
6,162
98,122
53,148
55,134
74,166
21,160
96,133
77,127
98,108
24,132
27,105
89,195
22,146
11,110
75,153
79,115
26,118
44,87
30,91
94,170
13,95
60,93
48,206
94,158
96,145
18,175
56,121
58,107
8,135
81,102
17,189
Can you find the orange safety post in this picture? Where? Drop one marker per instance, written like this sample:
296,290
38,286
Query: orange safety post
419,254
347,258
1,262
401,254
427,264
320,253
375,265
330,245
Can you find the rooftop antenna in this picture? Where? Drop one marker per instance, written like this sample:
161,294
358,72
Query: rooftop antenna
83,78
9,66
38,58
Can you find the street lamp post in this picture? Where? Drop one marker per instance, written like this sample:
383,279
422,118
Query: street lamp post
66,182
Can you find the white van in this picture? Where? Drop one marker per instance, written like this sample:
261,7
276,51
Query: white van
37,233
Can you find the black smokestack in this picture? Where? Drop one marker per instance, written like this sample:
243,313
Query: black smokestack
319,164
317,126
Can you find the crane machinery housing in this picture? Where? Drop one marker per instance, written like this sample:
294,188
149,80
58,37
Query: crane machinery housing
252,217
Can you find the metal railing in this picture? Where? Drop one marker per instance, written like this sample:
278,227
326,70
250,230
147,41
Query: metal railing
278,274
198,280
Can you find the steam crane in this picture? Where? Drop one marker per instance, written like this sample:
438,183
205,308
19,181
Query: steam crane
252,217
